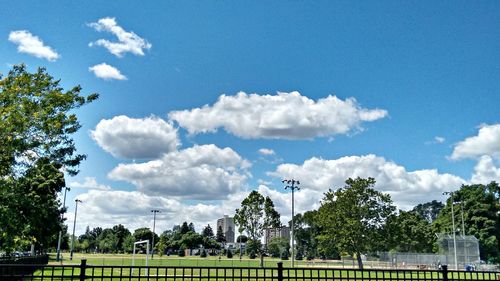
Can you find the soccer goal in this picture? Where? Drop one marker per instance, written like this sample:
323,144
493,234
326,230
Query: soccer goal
147,253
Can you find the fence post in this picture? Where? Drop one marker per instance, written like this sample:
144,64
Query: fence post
280,271
83,266
444,268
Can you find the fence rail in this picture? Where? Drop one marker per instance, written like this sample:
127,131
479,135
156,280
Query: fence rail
82,272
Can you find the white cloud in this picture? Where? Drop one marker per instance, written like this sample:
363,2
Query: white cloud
266,151
485,171
203,172
406,188
487,142
132,138
133,210
127,41
439,139
281,116
89,183
32,45
107,72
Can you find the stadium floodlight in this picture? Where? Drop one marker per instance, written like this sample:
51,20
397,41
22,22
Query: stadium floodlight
153,234
58,256
147,255
74,224
451,193
293,185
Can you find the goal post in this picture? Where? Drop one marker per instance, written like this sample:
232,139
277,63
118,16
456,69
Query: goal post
147,253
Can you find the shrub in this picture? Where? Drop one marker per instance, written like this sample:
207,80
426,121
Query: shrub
252,255
229,254
181,253
203,253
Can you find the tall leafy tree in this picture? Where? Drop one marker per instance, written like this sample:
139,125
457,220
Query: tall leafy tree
220,237
208,232
256,214
306,230
352,218
409,232
37,120
429,211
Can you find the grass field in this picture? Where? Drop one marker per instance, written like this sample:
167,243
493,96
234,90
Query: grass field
213,268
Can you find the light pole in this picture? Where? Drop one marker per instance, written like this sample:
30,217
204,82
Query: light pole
153,242
60,231
453,225
293,185
74,224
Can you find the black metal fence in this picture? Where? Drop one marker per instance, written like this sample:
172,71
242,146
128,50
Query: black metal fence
14,272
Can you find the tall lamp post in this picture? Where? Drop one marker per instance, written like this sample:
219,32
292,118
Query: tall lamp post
453,225
154,222
293,185
74,224
60,231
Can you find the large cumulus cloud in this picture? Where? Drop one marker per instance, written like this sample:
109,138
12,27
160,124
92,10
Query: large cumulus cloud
204,172
281,116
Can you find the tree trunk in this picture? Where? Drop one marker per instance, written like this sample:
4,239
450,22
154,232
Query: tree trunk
360,262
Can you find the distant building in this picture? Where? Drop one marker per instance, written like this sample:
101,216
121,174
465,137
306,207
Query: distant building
227,225
270,233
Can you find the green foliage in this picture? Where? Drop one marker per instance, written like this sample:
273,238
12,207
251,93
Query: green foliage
144,233
203,253
252,255
352,218
36,124
181,253
306,231
481,212
220,235
229,254
277,246
256,214
208,232
409,232
429,211
241,239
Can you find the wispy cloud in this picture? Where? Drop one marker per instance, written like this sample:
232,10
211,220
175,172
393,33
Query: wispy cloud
266,151
128,41
107,72
32,45
89,183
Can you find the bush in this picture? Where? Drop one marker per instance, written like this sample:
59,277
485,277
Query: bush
299,256
229,254
181,253
284,255
252,255
203,253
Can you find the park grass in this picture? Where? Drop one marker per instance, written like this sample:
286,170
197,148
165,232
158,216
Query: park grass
213,268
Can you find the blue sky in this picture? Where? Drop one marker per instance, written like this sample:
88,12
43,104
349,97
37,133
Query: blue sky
406,92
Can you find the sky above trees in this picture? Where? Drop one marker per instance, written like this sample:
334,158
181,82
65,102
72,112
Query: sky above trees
202,102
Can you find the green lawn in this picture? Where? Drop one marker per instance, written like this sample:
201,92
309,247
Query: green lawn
165,268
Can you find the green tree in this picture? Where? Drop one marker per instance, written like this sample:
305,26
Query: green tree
36,124
207,232
409,232
121,233
306,230
429,211
277,246
481,217
352,218
220,237
256,214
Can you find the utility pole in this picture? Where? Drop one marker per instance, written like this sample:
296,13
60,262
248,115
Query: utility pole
453,225
154,222
60,231
293,185
74,224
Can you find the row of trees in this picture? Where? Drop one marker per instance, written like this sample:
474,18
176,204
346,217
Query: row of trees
357,219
